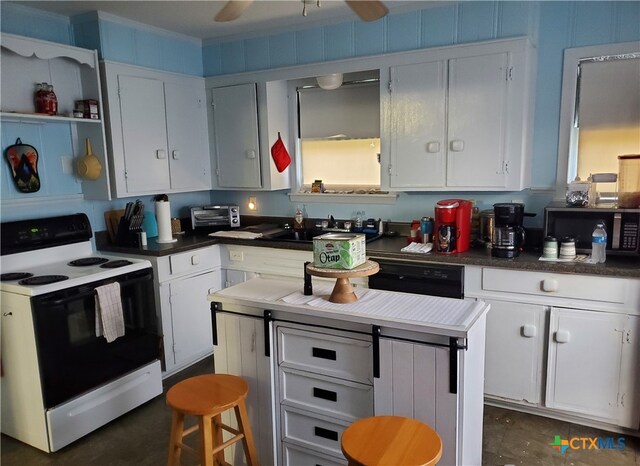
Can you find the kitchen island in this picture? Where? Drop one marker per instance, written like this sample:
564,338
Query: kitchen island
314,366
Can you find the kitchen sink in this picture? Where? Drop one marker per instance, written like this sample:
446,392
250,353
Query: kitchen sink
307,236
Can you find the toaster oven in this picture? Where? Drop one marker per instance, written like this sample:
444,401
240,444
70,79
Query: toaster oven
215,216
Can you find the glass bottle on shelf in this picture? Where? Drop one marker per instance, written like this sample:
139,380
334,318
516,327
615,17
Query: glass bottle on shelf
51,101
39,97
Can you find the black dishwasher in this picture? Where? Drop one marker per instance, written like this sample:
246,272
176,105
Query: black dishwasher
420,278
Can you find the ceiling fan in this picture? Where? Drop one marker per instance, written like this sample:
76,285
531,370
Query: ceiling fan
367,10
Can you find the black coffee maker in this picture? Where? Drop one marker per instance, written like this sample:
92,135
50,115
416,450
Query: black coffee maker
508,232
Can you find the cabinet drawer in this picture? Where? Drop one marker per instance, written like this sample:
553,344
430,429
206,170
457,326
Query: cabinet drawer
320,433
584,287
194,261
345,358
334,397
298,456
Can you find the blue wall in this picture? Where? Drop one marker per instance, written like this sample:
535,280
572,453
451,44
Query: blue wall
554,26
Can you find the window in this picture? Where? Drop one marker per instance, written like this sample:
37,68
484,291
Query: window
340,134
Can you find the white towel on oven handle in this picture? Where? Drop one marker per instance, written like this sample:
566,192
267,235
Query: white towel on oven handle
109,316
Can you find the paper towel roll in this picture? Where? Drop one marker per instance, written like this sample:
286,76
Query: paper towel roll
163,217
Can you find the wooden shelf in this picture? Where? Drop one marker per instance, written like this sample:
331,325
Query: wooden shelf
43,117
342,291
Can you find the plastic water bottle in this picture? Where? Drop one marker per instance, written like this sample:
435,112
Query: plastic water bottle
599,244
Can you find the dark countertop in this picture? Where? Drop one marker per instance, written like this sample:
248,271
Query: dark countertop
389,248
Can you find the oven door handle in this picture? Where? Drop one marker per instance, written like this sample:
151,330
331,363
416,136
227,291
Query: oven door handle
90,292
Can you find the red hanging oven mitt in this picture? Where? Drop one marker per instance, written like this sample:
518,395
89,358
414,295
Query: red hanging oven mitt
280,155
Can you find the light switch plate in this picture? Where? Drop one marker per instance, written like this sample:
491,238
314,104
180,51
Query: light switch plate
67,164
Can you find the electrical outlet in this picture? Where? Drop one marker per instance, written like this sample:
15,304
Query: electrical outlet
517,201
236,256
67,164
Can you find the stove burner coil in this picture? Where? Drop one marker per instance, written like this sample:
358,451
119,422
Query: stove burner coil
43,279
116,264
5,277
86,261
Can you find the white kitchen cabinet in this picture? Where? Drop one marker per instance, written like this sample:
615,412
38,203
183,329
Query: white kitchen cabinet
240,351
73,71
157,131
245,122
594,365
182,282
461,119
188,309
576,332
514,350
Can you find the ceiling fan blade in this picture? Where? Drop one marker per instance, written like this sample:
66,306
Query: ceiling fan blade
368,10
232,10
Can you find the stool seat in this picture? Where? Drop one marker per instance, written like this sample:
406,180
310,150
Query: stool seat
391,440
207,397
207,394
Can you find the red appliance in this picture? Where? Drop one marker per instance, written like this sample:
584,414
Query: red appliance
452,226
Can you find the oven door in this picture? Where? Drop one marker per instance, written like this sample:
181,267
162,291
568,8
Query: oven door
72,359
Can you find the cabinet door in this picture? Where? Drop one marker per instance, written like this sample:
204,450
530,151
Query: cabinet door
414,382
235,122
418,140
477,121
593,365
191,315
240,351
514,351
189,159
144,134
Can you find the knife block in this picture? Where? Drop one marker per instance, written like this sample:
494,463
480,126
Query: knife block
126,235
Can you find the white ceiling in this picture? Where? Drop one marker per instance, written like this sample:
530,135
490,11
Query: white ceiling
195,18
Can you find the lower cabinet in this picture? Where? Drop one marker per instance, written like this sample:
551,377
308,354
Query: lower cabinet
599,353
185,305
515,350
240,351
562,345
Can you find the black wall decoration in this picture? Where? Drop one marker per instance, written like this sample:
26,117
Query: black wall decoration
23,161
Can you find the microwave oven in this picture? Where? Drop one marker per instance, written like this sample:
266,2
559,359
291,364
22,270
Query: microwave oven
215,216
622,225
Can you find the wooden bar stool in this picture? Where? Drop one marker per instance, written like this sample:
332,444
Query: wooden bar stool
391,440
207,397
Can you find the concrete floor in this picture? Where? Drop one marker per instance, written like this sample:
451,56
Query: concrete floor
141,436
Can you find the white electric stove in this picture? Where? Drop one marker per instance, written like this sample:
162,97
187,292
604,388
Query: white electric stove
61,378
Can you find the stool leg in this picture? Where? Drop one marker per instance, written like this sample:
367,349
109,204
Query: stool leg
245,427
206,439
217,437
175,439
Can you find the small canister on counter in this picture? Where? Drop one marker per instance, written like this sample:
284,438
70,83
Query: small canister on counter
567,248
550,248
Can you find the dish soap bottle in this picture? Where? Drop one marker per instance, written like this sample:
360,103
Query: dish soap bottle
298,220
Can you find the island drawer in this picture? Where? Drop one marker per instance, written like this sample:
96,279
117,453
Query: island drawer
296,456
320,433
320,353
334,397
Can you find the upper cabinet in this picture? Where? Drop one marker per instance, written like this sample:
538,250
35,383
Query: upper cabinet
157,123
73,72
245,120
460,119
